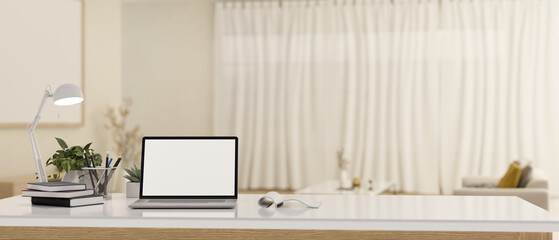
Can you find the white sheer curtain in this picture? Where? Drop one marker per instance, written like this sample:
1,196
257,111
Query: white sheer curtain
418,92
391,112
278,88
497,91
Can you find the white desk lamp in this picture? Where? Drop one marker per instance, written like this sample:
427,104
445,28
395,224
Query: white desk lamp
65,94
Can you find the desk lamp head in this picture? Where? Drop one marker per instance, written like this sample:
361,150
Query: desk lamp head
67,94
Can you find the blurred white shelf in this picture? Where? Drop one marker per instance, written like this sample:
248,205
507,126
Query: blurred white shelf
333,187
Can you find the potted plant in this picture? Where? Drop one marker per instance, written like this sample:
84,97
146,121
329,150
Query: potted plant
54,178
134,175
70,160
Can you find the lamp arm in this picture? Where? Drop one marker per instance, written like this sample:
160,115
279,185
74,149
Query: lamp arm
41,174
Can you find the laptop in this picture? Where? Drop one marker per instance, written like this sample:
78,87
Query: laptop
188,172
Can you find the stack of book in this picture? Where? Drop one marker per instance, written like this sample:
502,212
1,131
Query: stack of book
65,194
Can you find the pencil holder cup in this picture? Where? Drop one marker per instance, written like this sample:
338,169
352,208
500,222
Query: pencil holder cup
100,178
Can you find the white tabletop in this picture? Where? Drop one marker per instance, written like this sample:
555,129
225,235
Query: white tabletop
338,212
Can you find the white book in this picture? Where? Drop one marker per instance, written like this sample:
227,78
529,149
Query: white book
56,186
65,194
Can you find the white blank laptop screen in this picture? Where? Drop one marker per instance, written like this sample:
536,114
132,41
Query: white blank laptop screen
189,167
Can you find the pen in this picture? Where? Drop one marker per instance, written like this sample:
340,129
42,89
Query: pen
116,165
110,161
118,161
107,160
86,159
93,164
104,185
88,164
92,158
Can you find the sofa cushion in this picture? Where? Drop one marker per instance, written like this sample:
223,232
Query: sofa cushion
511,178
526,176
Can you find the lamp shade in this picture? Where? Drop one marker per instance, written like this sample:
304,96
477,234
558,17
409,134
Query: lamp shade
67,94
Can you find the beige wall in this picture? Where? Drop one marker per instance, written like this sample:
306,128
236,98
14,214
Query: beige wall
165,67
102,88
167,50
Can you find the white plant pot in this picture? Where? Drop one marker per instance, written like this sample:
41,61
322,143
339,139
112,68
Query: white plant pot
74,176
132,189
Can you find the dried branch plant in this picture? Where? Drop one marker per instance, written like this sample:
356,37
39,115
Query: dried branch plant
126,141
343,162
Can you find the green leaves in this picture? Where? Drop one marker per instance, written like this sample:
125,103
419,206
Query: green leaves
97,159
134,174
54,176
86,148
61,142
71,158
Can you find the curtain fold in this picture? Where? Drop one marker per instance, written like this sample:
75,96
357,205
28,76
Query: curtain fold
418,92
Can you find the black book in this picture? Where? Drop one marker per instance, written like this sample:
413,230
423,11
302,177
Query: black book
56,186
68,202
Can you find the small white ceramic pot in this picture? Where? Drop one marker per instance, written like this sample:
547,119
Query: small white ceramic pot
132,189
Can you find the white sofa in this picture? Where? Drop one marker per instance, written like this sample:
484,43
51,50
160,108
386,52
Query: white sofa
536,190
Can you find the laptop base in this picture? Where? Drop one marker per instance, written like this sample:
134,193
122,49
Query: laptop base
184,203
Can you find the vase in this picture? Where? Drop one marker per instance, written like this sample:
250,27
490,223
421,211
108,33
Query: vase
345,181
132,189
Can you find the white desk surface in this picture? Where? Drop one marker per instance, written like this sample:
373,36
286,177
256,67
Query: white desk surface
338,212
